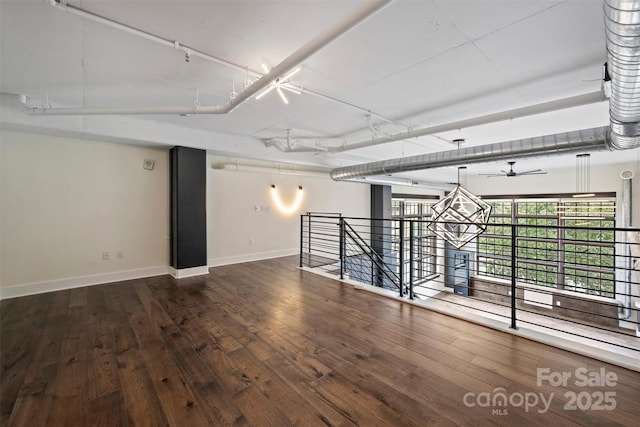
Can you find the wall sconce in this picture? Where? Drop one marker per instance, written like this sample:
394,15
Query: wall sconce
287,209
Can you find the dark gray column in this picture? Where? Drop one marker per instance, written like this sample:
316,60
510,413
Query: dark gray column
381,225
188,211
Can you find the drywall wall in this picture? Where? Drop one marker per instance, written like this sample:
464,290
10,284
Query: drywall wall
66,201
244,223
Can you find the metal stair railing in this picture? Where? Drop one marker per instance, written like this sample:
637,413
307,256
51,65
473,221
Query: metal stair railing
376,259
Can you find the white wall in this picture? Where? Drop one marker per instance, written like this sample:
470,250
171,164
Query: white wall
65,201
237,232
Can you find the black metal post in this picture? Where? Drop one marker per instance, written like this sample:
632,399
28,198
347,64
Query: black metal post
309,236
373,264
411,249
342,247
513,276
301,237
401,258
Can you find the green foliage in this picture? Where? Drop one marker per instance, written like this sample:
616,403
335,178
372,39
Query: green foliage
576,236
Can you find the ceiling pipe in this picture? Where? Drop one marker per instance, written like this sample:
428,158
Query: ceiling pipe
279,169
563,143
622,28
175,44
358,15
408,182
545,107
530,110
293,145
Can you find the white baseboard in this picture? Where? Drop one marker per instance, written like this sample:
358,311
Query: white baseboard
79,282
188,272
217,262
118,276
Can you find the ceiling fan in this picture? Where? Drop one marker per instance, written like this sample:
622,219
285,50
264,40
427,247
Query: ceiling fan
512,173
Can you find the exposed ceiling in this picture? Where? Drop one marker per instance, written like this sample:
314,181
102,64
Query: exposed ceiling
412,64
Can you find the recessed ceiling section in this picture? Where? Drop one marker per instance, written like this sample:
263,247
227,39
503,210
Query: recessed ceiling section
477,19
402,35
569,41
41,53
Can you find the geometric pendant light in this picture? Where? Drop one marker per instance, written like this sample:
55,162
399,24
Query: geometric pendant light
460,217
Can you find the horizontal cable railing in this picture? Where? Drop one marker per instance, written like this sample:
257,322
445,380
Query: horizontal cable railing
579,281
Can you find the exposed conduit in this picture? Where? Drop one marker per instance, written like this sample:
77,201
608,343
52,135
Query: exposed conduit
545,107
63,6
622,20
361,13
408,182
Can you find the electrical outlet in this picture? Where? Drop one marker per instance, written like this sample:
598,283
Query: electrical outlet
119,254
106,256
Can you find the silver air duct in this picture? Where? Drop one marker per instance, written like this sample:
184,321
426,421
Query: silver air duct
622,29
622,22
563,143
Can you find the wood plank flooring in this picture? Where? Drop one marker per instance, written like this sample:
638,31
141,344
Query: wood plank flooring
266,344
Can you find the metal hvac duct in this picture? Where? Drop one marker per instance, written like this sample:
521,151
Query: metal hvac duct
564,143
622,22
622,30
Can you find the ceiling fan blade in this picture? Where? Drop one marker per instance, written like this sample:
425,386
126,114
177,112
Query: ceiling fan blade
533,172
504,171
491,175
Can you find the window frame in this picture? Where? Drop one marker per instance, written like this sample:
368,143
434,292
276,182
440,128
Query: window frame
417,210
493,263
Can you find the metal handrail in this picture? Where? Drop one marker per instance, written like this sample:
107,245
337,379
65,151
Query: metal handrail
515,307
380,263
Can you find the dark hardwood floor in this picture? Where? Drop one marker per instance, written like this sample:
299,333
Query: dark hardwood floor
266,344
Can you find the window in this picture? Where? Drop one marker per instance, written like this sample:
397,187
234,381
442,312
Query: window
424,241
561,243
494,245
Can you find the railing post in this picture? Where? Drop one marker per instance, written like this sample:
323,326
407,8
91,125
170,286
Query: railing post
373,265
342,247
302,238
401,257
513,276
309,231
411,249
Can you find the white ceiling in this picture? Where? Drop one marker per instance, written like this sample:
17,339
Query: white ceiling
412,64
